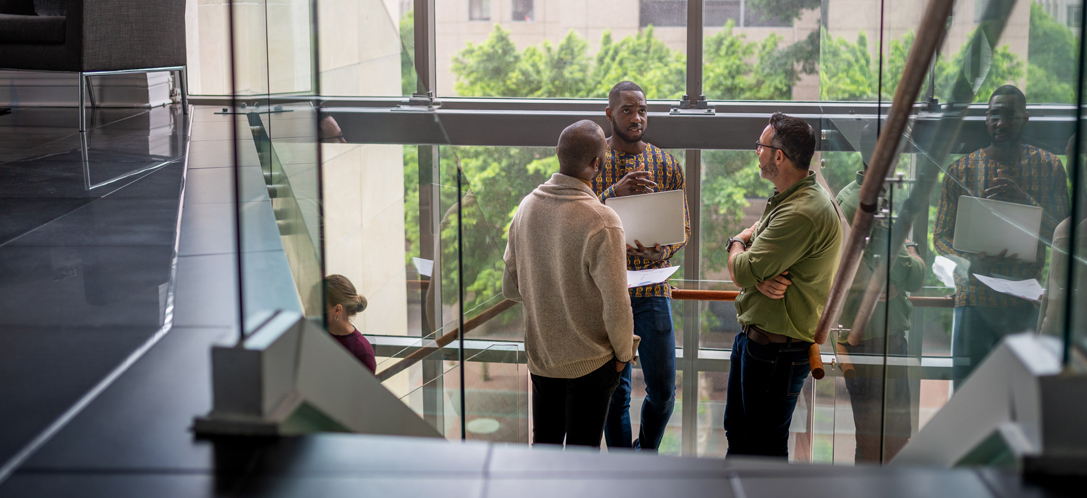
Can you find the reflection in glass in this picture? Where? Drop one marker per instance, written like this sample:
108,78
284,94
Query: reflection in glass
1009,171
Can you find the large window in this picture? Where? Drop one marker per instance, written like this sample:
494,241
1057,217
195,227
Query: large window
479,10
523,11
577,53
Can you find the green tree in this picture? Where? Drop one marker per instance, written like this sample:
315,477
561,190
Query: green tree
784,9
846,69
642,58
409,80
1004,68
1051,55
736,70
490,69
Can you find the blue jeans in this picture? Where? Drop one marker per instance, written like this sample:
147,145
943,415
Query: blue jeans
978,330
764,382
657,356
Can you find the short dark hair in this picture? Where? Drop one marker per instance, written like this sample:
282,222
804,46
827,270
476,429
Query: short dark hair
1020,99
578,145
623,86
794,137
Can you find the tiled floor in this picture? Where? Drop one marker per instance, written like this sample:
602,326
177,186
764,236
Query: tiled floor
86,251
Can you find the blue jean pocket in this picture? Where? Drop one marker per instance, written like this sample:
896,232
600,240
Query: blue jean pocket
798,373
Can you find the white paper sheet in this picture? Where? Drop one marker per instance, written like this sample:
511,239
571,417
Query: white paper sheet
944,269
424,266
1026,289
639,278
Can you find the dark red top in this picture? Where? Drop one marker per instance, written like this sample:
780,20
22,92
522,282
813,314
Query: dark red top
360,347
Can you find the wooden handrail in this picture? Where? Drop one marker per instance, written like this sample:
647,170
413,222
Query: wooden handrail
444,340
814,355
716,295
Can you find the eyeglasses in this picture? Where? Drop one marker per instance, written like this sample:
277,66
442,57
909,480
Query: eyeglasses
1005,114
759,145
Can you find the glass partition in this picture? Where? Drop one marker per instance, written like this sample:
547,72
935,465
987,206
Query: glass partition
278,210
414,210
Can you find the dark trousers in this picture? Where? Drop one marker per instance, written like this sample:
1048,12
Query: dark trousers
573,410
764,382
978,330
875,422
657,357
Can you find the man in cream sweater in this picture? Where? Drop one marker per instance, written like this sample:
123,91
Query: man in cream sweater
566,261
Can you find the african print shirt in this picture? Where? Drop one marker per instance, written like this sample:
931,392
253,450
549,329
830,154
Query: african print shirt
668,175
1041,175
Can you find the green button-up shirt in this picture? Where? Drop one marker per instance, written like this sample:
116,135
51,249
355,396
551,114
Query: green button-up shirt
800,232
907,275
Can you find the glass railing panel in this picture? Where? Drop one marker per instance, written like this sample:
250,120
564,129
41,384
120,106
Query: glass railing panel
1001,178
267,283
497,385
712,392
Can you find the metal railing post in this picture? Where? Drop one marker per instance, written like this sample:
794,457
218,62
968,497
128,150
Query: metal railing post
692,254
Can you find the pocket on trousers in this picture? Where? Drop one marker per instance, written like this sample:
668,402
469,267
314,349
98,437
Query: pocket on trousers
664,319
798,373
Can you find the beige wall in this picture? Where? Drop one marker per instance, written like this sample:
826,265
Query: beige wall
364,229
286,55
359,47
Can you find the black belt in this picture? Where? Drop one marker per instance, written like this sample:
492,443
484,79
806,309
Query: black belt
762,337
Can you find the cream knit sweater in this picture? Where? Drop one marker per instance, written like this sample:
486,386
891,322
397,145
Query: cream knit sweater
566,261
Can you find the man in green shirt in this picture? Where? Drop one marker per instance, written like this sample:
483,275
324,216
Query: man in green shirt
885,333
784,265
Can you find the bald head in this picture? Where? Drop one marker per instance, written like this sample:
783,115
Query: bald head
581,149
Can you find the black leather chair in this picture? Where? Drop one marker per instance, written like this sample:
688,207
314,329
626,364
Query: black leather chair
94,38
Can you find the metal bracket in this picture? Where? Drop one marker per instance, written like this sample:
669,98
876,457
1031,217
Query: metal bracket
420,103
700,108
256,108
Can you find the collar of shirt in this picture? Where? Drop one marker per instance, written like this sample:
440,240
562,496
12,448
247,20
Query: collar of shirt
780,197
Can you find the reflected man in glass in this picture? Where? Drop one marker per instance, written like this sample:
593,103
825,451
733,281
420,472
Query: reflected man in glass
1011,171
784,265
631,167
885,332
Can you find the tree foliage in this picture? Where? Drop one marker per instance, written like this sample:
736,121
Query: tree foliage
409,80
1051,55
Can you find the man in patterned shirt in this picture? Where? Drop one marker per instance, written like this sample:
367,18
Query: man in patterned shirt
1010,171
632,166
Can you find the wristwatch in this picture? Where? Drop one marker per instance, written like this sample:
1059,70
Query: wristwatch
911,244
728,244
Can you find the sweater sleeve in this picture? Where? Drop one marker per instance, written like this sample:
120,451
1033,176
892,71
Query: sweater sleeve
510,289
608,267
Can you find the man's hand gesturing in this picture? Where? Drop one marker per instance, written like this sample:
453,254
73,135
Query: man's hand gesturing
635,182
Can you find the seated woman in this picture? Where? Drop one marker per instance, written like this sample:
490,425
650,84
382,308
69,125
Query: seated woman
342,303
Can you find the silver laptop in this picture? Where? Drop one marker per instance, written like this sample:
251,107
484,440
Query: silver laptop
985,225
652,219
